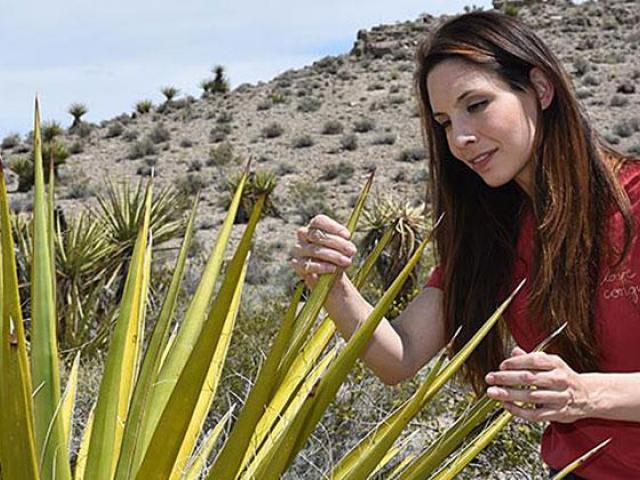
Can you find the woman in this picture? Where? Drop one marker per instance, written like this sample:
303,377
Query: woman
528,190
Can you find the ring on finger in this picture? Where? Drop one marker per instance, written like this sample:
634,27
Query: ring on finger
307,265
317,233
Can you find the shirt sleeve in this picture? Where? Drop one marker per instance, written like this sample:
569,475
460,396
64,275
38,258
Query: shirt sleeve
435,278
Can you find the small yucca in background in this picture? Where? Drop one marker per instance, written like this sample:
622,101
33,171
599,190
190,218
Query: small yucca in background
77,111
409,228
170,93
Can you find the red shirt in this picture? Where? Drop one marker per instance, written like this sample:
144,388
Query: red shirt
617,311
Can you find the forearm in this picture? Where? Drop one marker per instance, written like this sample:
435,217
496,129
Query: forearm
386,352
613,396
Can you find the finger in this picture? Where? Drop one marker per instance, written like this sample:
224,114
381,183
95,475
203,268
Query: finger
546,397
320,254
545,414
518,351
306,267
321,237
329,225
556,379
532,361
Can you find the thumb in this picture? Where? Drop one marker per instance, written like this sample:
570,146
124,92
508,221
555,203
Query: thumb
517,352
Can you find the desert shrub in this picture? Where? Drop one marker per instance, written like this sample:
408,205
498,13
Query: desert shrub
349,142
283,168
342,170
83,129
397,100
272,130
332,127
159,134
224,117
412,155
222,155
279,96
219,83
51,130
591,80
623,129
611,138
375,86
634,149
144,170
265,104
511,9
303,141
309,104
364,125
384,139
142,148
186,143
23,167
583,92
618,101
219,133
76,147
130,135
10,141
581,66
308,199
144,106
190,184
114,130
194,166
79,189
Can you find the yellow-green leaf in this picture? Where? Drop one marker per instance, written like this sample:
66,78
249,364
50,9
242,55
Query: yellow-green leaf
45,373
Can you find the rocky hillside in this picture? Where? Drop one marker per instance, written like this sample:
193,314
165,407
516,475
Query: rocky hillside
323,127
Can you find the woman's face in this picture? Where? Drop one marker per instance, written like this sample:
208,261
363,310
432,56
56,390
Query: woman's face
489,126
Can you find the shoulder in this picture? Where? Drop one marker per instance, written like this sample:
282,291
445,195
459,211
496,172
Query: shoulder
629,177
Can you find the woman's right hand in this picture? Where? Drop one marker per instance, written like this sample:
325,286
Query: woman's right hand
323,246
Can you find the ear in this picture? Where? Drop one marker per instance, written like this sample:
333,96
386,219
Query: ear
543,87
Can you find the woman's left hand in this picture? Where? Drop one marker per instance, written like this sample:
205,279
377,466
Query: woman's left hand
557,392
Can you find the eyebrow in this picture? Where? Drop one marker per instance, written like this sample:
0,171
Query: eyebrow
460,98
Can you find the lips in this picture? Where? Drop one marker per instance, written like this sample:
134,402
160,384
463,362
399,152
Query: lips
483,156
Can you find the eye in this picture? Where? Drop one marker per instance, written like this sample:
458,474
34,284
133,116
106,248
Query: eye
477,106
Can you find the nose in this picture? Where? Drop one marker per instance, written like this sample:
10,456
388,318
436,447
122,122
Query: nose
462,135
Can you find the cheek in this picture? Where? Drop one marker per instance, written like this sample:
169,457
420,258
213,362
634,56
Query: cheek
512,126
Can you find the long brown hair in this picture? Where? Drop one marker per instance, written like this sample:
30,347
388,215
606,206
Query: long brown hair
575,186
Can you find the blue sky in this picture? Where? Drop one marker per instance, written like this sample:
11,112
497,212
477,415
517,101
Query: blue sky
109,55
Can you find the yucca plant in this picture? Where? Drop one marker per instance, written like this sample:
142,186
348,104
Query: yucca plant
262,182
144,106
92,252
170,93
409,227
151,408
77,111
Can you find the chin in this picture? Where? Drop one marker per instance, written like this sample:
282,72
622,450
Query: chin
495,181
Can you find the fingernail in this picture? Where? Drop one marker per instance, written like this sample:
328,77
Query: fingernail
489,378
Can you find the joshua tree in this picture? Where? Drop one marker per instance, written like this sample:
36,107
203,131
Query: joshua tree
219,84
144,106
170,93
77,110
